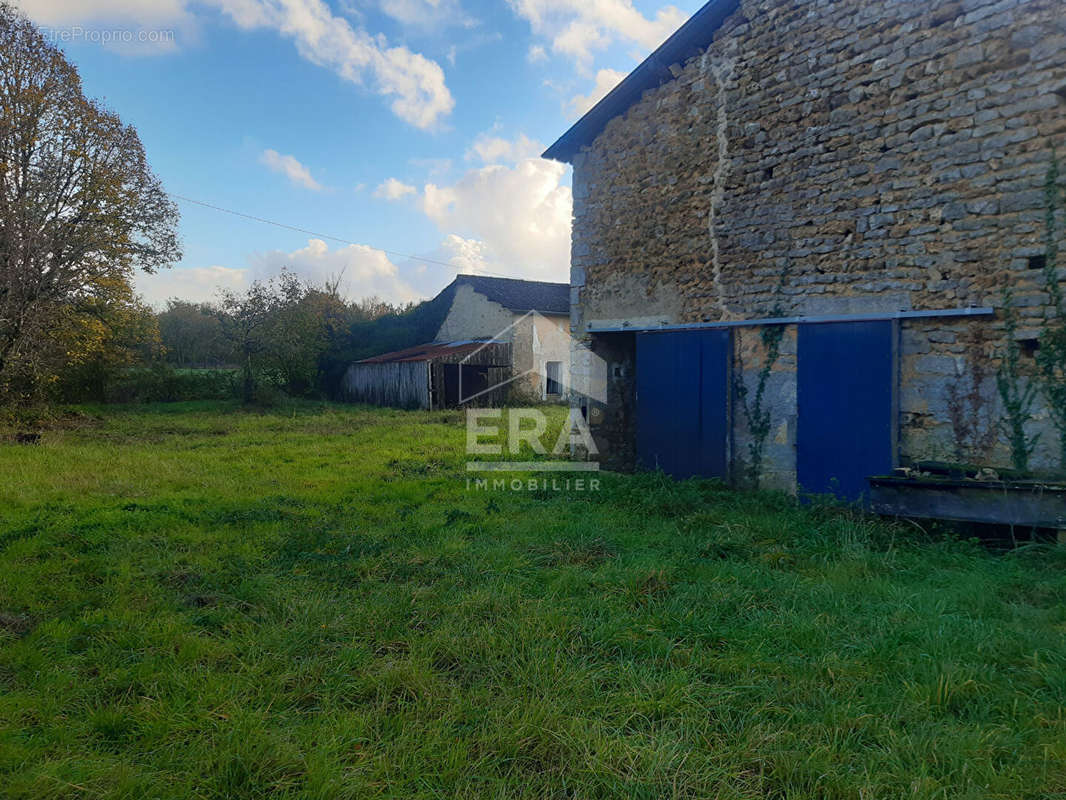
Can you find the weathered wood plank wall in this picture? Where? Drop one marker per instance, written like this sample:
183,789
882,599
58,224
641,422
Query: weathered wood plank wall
398,384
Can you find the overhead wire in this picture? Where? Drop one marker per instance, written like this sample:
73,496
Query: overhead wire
297,229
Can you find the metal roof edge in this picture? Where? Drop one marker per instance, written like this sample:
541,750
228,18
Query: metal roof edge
982,311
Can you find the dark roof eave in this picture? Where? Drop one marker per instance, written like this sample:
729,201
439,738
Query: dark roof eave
654,71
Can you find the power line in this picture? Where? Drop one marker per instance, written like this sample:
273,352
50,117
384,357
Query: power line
322,235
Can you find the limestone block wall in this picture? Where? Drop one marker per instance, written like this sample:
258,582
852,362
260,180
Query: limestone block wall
836,157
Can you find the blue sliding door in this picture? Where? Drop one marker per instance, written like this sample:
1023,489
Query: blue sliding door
683,393
846,392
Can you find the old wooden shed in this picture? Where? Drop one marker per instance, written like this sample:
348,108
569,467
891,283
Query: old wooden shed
430,376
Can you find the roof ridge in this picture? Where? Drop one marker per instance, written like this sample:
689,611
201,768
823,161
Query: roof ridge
692,37
517,280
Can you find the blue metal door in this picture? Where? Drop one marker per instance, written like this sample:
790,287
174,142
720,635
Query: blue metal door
846,396
683,393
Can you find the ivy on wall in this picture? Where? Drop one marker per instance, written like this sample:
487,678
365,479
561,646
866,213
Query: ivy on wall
754,405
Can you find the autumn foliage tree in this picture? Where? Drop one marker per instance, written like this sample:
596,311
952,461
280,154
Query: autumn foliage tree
80,210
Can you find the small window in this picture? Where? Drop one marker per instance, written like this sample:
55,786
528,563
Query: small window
1028,347
1037,262
554,383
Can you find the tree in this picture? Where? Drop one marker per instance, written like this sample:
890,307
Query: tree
79,206
192,335
103,338
246,322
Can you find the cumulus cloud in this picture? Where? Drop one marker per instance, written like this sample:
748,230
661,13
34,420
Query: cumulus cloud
519,215
578,28
365,271
393,189
414,83
491,149
537,53
466,255
195,284
290,168
606,79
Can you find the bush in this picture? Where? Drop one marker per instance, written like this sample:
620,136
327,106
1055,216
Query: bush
164,384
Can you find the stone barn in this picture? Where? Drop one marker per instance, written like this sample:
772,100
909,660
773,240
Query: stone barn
533,317
796,225
500,340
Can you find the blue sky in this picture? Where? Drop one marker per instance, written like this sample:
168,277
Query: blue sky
408,126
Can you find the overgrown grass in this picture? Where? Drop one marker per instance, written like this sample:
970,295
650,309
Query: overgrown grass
197,601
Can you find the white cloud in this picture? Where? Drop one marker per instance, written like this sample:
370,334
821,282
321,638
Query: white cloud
466,255
536,53
519,216
365,271
414,83
195,284
577,28
496,150
393,189
129,27
427,13
137,12
606,79
290,168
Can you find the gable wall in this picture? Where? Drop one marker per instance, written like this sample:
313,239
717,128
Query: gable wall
474,316
889,155
535,338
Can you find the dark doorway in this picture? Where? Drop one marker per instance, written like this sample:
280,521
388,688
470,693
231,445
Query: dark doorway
475,381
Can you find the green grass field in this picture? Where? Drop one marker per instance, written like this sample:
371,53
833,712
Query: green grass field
202,602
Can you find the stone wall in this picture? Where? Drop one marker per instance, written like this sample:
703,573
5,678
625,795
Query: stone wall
474,316
882,155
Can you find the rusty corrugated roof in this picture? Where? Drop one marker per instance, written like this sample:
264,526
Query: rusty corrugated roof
428,352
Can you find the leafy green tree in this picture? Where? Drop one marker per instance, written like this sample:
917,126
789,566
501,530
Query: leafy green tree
192,335
80,210
246,323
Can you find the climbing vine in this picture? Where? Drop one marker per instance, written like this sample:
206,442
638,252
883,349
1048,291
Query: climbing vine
972,417
1016,393
1051,354
757,413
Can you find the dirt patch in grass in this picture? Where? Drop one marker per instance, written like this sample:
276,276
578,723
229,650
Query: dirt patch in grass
16,624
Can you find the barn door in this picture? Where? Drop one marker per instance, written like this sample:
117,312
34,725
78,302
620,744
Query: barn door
846,395
683,402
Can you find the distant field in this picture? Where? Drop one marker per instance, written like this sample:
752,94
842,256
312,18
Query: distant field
202,602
